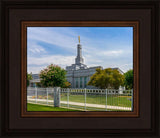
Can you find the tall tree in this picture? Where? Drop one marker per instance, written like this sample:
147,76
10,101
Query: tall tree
128,82
29,77
107,78
53,76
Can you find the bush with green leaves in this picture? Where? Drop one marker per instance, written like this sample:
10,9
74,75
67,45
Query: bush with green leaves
128,81
29,77
107,78
53,76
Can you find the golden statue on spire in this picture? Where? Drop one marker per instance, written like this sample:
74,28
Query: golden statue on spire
79,38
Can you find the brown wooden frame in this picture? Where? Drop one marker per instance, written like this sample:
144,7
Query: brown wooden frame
134,24
13,12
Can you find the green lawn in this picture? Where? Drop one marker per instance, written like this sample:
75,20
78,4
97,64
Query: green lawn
114,100
36,107
100,99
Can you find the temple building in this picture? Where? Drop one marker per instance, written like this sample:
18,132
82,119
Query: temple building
78,74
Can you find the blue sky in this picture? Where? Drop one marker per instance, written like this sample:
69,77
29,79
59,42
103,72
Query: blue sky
101,46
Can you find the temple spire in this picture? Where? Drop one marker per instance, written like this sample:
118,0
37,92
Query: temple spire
79,38
79,59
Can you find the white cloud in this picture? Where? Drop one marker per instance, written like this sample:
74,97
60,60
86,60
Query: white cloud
112,53
126,67
35,69
55,59
34,48
52,37
37,49
35,64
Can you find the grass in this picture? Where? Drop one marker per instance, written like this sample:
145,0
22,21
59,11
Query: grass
36,107
100,99
114,100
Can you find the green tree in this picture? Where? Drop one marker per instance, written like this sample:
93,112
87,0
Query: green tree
29,77
67,84
53,76
107,78
128,81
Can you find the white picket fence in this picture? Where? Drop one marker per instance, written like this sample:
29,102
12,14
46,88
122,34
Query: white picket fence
83,99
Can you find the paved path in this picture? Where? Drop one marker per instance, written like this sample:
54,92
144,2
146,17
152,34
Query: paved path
87,104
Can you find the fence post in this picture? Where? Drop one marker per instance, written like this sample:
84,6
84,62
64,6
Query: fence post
59,96
36,94
85,99
47,96
56,96
68,97
106,98
132,99
52,91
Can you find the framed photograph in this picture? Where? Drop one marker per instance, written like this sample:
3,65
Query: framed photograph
111,94
80,68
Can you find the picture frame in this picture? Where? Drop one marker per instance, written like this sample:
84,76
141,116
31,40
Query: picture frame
15,124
